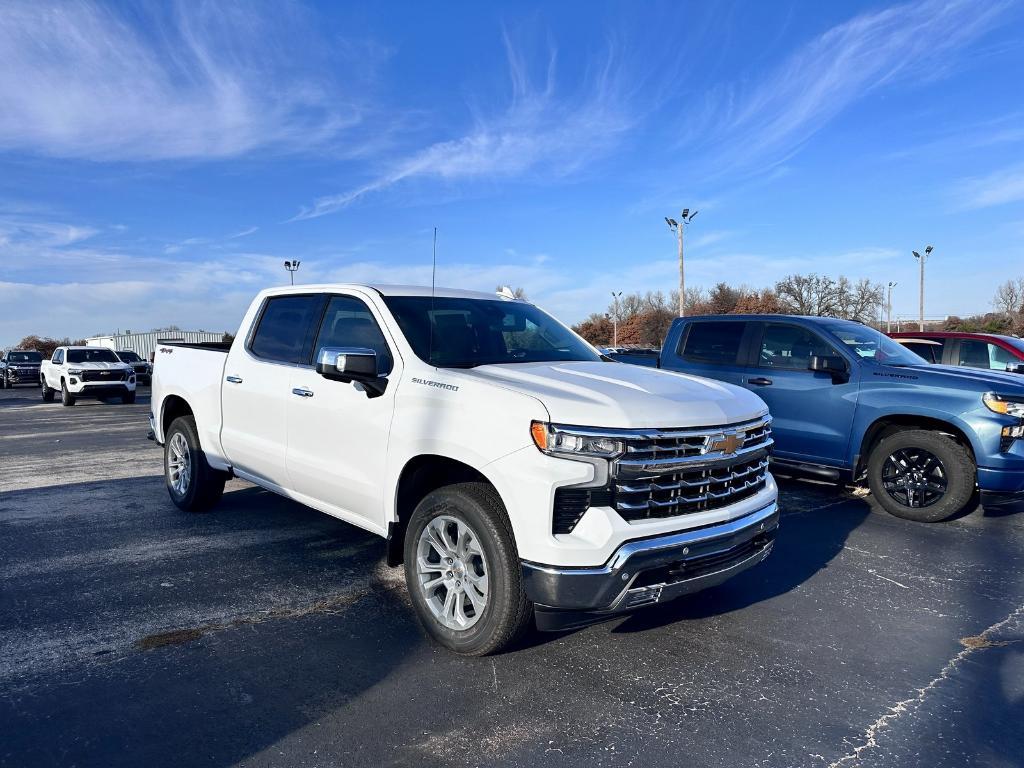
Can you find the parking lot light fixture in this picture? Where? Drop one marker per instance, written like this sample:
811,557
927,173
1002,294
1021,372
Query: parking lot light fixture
292,267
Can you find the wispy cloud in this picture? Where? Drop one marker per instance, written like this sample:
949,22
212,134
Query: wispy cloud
997,188
539,128
195,81
769,119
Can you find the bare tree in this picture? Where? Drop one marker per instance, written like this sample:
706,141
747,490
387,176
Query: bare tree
821,295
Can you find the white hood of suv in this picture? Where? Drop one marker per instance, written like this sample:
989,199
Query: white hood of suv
619,395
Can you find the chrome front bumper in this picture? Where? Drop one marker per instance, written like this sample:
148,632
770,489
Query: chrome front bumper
649,571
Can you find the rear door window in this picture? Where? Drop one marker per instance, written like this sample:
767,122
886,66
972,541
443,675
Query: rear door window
982,354
791,347
285,330
714,342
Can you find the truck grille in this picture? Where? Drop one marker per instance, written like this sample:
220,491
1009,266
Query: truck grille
107,375
677,472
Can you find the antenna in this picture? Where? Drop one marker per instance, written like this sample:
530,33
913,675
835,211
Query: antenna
430,320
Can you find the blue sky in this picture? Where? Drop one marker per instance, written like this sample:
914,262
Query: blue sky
158,162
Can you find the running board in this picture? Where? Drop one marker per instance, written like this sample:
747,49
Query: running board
800,469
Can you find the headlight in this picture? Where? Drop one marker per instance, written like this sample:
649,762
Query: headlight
75,372
1008,405
564,441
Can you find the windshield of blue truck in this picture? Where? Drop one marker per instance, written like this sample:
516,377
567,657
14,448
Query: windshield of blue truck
97,355
873,346
463,333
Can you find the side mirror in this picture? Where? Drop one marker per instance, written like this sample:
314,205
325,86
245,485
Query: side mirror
350,364
831,364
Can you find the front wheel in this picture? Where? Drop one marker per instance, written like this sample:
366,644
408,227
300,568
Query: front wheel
921,475
463,571
47,392
192,483
66,398
128,398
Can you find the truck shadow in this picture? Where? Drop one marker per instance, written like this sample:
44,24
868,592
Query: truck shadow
816,522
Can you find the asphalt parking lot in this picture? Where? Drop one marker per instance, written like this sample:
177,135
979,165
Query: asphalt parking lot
265,633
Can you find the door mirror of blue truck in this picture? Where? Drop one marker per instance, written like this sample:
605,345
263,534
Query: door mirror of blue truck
831,364
351,364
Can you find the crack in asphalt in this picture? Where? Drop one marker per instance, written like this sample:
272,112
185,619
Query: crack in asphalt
970,645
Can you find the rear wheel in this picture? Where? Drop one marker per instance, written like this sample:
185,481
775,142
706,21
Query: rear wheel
66,398
463,571
921,475
192,483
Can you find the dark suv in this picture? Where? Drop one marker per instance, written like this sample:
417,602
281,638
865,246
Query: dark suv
20,366
143,370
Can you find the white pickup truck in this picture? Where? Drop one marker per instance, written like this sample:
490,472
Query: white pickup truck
77,372
517,474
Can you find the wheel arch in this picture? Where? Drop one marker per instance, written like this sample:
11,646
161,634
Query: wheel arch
172,407
887,425
421,475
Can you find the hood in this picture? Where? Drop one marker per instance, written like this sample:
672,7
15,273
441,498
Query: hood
618,395
96,365
977,379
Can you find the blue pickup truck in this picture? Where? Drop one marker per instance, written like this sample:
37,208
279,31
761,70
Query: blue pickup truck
850,402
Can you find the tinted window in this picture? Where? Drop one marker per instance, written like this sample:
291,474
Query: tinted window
930,352
714,342
871,345
58,356
24,357
349,323
93,355
285,328
791,347
464,332
981,354
129,357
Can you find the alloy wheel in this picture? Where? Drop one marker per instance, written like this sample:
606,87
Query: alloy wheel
914,477
452,572
179,464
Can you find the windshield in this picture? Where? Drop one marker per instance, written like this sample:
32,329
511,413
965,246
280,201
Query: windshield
874,346
98,355
24,357
463,333
1013,341
129,357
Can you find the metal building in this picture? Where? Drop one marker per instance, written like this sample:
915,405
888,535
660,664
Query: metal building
144,344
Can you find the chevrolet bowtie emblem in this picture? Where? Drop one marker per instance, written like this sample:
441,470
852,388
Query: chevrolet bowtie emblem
726,444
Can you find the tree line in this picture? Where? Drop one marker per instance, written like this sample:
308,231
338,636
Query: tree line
644,319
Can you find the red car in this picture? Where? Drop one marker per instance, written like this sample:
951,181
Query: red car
973,350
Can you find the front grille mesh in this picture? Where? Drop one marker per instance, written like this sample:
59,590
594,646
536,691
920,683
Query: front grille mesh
680,472
667,473
111,375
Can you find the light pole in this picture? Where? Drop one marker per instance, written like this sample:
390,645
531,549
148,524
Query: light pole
888,304
922,260
292,267
615,319
677,229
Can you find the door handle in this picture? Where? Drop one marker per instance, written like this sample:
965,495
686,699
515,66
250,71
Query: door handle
302,392
760,381
234,379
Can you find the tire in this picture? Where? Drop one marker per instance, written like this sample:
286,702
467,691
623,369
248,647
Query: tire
66,398
47,392
128,398
921,475
3,381
203,485
505,614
